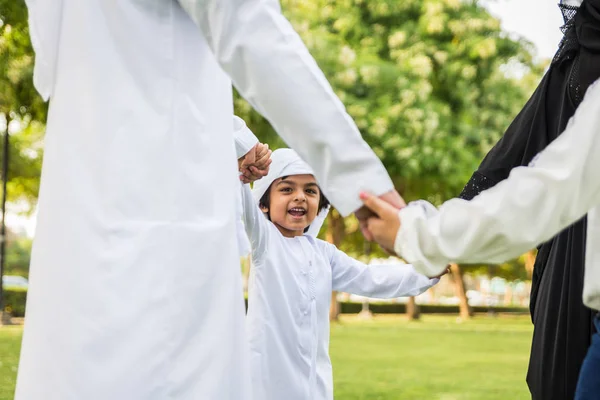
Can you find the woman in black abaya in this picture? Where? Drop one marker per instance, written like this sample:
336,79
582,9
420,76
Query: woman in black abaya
562,324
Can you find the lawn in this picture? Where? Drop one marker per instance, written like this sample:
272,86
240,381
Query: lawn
10,343
436,358
388,358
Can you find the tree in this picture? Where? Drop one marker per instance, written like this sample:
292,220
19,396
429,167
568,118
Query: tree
22,110
459,283
21,114
18,255
424,80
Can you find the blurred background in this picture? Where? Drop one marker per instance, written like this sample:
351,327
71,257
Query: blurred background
432,85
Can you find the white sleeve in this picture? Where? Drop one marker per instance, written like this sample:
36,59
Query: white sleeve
532,205
244,138
255,223
270,66
379,281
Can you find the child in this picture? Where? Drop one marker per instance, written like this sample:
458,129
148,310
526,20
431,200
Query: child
291,280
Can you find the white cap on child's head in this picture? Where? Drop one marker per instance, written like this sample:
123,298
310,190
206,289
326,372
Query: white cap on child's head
286,162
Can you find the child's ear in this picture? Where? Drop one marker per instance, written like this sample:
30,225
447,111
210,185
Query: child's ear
264,209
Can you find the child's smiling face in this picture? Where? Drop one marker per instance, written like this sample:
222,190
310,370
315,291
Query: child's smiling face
294,203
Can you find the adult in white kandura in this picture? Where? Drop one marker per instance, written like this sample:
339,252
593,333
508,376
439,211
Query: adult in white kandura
535,202
135,282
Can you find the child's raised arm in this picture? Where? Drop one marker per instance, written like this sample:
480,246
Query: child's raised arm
255,224
379,281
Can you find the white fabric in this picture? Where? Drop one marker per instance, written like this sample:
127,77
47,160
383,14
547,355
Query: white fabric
271,67
244,138
244,142
532,205
317,224
135,281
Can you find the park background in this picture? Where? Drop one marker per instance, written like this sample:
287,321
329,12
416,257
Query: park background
432,85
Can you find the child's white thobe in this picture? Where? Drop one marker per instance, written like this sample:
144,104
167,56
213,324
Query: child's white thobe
288,308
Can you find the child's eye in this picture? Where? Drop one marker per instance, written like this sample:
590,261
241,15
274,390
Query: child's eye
286,190
311,191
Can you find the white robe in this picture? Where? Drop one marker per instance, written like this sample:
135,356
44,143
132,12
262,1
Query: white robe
289,294
136,291
532,205
244,142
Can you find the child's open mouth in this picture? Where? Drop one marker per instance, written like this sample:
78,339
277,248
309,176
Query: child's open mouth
297,212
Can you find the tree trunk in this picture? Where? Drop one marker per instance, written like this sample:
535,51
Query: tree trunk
508,296
334,308
412,309
529,262
4,315
465,310
336,230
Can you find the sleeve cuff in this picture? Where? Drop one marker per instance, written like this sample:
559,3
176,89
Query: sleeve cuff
434,281
408,244
346,203
245,140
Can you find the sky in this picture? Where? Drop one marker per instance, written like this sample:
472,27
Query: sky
538,21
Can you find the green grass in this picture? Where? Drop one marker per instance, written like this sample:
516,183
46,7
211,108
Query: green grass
389,358
10,344
435,358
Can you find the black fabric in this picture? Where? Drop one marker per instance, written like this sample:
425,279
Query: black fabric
562,324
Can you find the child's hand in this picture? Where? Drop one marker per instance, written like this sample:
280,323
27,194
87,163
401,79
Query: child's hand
255,164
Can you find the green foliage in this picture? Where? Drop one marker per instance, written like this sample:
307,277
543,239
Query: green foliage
511,270
20,103
14,301
18,255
